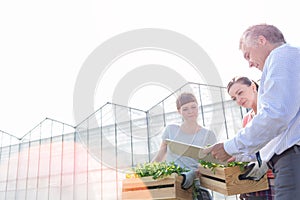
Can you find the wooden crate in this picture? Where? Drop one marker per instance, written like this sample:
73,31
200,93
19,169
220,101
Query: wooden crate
226,181
148,188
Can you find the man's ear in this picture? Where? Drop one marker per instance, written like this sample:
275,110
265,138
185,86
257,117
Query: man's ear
262,40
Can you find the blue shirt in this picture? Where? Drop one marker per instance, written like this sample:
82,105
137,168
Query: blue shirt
276,127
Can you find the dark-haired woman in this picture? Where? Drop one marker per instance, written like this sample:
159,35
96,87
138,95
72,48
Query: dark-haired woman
244,92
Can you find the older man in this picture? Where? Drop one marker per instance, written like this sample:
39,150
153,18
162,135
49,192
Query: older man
276,127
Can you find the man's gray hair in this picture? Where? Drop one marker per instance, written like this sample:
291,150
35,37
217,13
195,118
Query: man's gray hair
270,32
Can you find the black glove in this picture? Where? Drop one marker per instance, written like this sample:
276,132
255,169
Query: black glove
188,179
254,172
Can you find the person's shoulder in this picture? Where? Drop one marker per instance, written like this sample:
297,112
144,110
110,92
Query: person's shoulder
248,117
285,49
172,126
248,114
208,136
288,46
206,130
169,129
203,128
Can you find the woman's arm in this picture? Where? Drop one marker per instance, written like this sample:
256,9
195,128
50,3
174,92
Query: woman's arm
161,155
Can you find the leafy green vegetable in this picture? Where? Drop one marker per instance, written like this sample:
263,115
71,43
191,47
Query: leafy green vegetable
158,169
213,166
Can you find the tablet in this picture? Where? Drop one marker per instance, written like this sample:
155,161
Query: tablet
192,151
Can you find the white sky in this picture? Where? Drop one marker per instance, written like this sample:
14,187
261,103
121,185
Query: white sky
43,45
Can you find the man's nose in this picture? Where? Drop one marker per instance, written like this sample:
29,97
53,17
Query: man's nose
251,64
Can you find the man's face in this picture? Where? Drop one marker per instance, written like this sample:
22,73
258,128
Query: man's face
255,52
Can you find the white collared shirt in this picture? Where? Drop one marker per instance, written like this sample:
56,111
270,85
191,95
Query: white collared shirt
276,127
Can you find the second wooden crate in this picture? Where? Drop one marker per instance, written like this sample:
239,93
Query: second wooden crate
226,181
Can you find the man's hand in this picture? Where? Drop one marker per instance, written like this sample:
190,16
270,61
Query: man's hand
218,152
254,172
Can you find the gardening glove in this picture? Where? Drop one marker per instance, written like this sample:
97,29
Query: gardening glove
188,179
254,172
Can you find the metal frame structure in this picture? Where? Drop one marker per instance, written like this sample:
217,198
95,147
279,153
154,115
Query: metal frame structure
55,160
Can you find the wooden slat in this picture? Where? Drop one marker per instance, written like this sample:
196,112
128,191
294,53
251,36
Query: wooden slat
180,193
133,183
163,193
218,172
214,185
167,188
226,181
236,186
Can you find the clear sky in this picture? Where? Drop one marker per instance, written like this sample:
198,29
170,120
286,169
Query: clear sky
44,45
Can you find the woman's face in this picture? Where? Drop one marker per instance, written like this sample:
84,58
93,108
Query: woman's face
189,111
244,95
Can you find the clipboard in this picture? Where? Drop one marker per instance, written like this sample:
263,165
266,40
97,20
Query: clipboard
191,151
